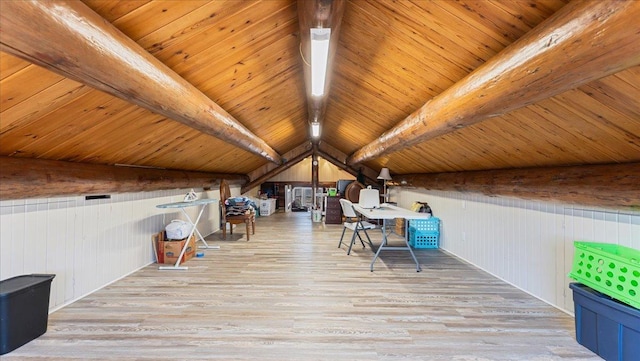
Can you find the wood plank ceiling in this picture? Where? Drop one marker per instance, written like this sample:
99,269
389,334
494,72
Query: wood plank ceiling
392,58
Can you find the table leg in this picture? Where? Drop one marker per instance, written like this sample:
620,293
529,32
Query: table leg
384,244
406,241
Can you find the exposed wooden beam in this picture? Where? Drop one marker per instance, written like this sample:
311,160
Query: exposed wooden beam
614,186
298,154
67,37
318,14
261,171
582,42
351,170
275,171
22,178
338,158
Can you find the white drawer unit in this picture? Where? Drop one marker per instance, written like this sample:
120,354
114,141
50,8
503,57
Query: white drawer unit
267,206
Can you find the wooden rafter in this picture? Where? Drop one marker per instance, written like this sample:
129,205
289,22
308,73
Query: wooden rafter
275,171
338,158
269,170
351,170
611,186
72,40
582,42
22,178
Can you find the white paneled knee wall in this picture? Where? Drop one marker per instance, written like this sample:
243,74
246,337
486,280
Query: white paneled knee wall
88,244
91,243
528,244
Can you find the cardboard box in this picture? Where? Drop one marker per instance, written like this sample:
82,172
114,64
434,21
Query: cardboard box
267,207
168,251
400,226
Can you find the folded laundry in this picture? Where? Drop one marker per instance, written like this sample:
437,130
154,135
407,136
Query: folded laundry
236,206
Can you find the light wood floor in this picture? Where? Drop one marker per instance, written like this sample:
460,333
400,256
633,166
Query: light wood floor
291,294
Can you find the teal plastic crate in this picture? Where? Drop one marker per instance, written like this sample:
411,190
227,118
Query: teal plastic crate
423,239
426,225
608,268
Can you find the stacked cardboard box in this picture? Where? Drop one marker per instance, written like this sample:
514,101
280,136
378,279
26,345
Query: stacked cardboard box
167,251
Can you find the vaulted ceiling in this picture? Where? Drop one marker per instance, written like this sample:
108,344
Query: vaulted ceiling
421,87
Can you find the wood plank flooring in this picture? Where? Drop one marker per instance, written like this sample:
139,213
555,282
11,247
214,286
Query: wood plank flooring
291,294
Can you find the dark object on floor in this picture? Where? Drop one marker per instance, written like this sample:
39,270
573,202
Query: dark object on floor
297,207
605,326
24,309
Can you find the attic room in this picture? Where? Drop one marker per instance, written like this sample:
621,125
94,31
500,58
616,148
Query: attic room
517,121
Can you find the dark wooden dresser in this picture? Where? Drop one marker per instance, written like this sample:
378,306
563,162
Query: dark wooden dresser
333,212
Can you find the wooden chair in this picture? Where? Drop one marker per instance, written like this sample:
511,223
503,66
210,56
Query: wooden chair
249,219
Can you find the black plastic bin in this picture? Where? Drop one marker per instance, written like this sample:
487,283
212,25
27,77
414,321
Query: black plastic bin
24,309
605,326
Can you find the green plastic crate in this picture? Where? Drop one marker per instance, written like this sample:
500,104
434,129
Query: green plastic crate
608,268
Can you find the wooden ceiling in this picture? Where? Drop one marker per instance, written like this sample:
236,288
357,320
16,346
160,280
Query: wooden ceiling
393,58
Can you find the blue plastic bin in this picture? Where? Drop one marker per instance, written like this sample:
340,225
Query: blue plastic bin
426,225
423,239
609,328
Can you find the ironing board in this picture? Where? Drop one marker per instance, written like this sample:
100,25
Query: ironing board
194,229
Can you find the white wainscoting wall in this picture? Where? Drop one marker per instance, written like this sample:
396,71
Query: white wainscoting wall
89,244
528,244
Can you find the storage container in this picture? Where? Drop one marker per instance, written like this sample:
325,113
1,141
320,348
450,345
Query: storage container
316,215
423,239
426,225
24,309
606,326
267,206
609,268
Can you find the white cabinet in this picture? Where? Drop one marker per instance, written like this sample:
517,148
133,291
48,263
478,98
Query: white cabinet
267,206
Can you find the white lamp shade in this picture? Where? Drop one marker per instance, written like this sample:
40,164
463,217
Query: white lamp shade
384,174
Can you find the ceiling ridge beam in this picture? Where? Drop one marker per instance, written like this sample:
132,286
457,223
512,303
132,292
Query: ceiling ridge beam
614,186
318,14
70,39
582,42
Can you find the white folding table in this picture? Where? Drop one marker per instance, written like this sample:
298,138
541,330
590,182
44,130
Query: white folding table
194,229
389,212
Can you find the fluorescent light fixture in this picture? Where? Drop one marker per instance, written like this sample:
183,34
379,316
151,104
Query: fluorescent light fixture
315,129
319,58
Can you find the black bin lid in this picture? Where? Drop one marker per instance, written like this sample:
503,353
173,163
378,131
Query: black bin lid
17,284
